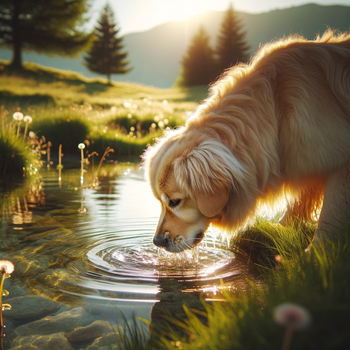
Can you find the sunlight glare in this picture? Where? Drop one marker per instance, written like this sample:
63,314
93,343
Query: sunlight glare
183,9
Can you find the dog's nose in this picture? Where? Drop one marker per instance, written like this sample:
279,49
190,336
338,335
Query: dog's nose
162,240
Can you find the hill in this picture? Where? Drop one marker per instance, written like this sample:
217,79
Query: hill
156,54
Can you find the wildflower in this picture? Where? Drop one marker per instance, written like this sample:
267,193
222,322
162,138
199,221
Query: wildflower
81,146
6,267
293,317
28,119
18,116
278,258
289,314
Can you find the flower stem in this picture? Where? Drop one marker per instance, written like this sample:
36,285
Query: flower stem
18,127
108,150
1,288
25,132
287,337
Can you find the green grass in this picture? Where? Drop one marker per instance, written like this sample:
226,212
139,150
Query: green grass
318,281
68,109
16,157
64,88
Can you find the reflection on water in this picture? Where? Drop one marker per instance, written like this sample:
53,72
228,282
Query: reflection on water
105,252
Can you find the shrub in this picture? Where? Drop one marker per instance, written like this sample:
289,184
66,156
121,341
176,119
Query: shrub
62,130
15,157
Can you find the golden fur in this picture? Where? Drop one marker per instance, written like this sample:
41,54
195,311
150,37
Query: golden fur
277,126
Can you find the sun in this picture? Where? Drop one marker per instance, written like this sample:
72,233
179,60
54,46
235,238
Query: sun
183,9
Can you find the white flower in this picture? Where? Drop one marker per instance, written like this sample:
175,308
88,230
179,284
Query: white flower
81,145
293,315
28,119
17,116
6,267
31,134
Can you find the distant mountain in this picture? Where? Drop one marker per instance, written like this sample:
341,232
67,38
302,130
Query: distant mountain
156,54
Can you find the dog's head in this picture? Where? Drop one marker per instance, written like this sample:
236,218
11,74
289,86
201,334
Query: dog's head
192,177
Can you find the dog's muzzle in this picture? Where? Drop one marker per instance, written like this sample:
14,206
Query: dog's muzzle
175,244
165,240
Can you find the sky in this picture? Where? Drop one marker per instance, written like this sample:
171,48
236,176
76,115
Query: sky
140,15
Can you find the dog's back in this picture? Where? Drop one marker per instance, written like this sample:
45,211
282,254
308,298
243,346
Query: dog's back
308,83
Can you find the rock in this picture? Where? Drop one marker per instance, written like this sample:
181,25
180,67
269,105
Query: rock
63,322
92,331
56,341
15,288
25,347
105,342
33,307
26,268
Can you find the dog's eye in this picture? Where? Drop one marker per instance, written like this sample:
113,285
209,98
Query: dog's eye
174,203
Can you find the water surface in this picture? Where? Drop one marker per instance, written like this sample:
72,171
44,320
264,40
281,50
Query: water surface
95,245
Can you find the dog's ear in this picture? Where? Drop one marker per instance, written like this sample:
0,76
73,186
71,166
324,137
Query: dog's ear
208,173
212,203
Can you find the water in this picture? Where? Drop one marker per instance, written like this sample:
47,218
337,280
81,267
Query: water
95,247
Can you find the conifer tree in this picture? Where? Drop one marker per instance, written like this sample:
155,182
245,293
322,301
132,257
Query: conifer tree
44,26
106,55
198,64
231,46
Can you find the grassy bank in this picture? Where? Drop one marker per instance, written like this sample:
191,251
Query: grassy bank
68,109
316,281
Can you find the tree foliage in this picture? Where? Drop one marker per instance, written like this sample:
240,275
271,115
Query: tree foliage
201,65
231,46
106,55
198,64
44,26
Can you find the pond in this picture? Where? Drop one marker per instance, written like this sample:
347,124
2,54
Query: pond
82,255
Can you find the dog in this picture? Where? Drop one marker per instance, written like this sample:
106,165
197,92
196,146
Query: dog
278,126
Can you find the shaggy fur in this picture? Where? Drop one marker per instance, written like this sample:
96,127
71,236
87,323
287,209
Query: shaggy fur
279,126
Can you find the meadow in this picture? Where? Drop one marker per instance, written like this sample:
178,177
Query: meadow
312,287
68,109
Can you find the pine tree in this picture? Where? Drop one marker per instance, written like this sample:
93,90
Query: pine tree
44,26
106,55
231,46
198,64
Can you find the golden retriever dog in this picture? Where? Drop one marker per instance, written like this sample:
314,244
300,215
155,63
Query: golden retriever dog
278,126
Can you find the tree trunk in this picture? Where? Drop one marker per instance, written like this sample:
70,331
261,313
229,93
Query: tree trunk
17,42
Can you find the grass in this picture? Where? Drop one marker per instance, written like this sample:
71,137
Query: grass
68,108
17,158
65,88
318,281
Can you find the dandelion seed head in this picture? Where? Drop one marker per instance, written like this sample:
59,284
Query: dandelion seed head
17,116
289,314
6,267
28,119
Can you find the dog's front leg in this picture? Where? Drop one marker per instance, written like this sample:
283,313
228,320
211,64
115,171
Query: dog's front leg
335,214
